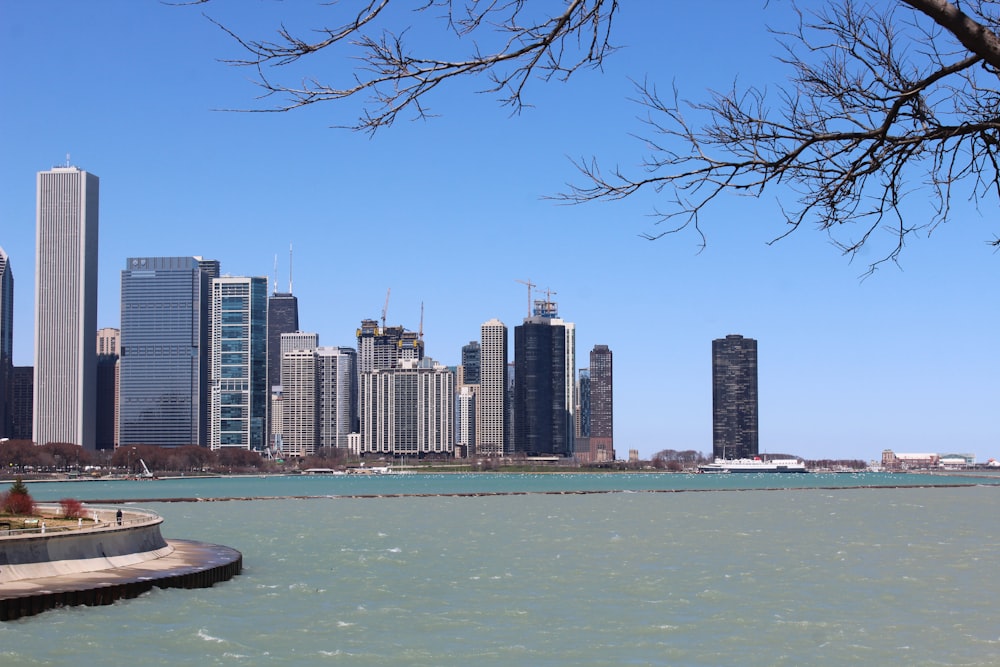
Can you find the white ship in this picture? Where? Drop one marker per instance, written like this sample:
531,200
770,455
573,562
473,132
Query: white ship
753,465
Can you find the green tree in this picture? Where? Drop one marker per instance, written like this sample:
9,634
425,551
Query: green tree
882,97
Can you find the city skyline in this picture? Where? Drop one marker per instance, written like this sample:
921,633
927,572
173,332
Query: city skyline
450,212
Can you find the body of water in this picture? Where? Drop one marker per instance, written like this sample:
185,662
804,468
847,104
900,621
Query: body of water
821,573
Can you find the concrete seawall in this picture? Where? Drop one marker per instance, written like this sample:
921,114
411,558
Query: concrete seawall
103,561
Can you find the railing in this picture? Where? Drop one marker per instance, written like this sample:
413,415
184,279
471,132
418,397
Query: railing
98,518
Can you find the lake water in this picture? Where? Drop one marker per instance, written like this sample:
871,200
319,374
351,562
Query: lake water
834,573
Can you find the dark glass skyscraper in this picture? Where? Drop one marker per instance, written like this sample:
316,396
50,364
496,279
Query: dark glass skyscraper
6,342
541,420
471,362
282,317
602,423
164,350
734,397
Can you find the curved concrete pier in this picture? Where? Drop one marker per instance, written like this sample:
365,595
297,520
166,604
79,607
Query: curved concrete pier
103,562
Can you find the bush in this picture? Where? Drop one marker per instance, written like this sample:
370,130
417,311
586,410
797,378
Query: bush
71,508
17,500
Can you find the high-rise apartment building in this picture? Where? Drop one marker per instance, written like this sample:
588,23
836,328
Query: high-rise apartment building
65,385
21,402
238,363
492,399
337,380
734,397
6,342
602,426
163,371
299,393
408,410
542,423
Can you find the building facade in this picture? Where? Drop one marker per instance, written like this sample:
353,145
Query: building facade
492,398
21,402
408,410
106,427
602,423
337,377
734,397
282,317
65,383
542,422
238,363
300,393
165,320
6,343
471,362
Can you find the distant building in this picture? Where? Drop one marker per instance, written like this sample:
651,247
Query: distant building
300,394
238,363
583,405
21,400
492,400
164,391
6,342
916,461
337,382
734,397
542,423
65,387
282,317
408,410
106,429
602,426
471,362
465,420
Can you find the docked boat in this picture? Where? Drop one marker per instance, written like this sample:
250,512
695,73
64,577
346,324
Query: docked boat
753,465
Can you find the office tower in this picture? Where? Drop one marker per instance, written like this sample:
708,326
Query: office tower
734,397
492,400
22,386
106,425
163,370
299,392
65,386
6,342
583,405
238,363
282,317
408,410
542,423
471,356
602,431
337,378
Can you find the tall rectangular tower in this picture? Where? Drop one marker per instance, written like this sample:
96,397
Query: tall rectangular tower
164,393
6,343
299,392
66,307
238,363
602,426
734,397
542,423
492,437
337,377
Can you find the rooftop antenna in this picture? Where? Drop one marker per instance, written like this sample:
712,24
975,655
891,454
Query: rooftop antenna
275,290
67,159
289,268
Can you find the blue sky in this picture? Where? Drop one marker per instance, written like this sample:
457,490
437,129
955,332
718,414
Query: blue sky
451,212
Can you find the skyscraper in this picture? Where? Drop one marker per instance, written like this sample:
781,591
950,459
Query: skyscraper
106,426
471,355
238,363
337,377
65,385
492,400
542,422
734,397
6,342
164,391
299,393
282,317
602,425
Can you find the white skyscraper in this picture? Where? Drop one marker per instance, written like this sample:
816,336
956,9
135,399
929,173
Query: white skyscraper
337,382
66,307
299,393
492,399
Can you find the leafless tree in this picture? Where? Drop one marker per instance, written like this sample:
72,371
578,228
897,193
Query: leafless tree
883,98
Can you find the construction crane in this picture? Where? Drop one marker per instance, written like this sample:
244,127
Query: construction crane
530,285
420,334
385,308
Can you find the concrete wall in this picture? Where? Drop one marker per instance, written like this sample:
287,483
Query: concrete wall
102,546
